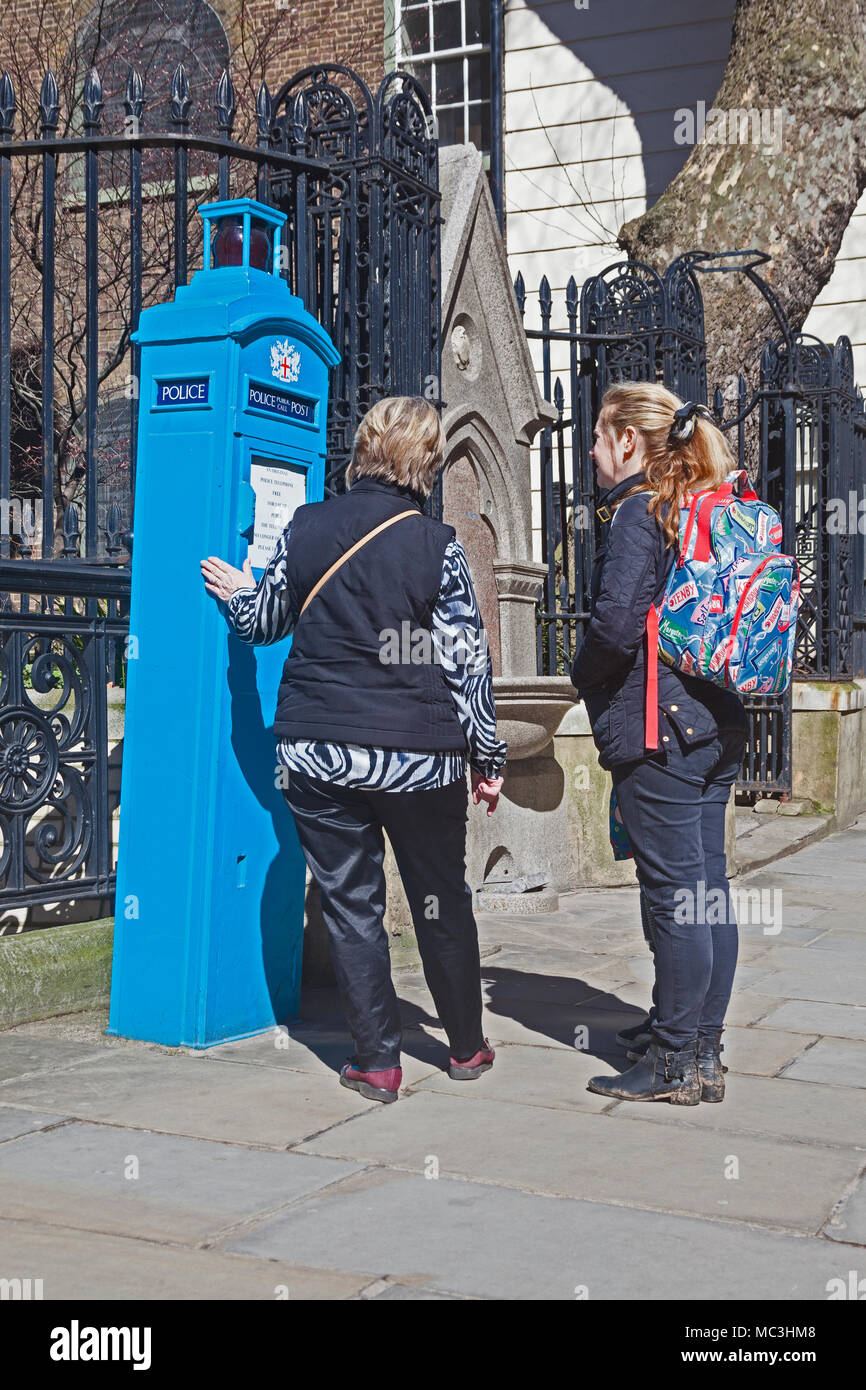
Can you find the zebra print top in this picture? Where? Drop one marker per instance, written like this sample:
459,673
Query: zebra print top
262,615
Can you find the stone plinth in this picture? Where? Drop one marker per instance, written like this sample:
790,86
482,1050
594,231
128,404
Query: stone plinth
828,750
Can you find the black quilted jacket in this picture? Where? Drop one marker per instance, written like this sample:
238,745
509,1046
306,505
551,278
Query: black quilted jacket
609,671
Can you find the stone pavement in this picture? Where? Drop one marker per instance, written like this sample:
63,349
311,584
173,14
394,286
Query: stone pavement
134,1171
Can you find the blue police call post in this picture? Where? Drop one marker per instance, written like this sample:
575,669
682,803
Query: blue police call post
209,906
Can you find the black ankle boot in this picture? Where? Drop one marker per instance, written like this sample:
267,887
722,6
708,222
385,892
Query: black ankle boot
711,1073
663,1073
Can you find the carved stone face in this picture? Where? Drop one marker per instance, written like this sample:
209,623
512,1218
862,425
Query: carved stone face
466,346
460,347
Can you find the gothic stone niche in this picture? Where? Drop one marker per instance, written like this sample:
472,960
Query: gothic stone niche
462,509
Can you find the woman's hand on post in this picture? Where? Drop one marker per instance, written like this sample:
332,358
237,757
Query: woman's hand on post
486,789
221,579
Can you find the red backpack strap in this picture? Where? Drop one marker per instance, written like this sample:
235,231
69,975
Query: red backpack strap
701,512
709,500
693,506
651,739
739,478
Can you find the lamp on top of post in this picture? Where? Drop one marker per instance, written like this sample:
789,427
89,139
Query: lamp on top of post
241,232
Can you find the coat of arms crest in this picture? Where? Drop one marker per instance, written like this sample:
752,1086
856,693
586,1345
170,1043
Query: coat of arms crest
285,360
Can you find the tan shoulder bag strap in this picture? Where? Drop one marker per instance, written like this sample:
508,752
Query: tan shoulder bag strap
383,526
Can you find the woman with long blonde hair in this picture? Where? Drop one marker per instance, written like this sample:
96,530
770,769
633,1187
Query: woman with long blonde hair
651,452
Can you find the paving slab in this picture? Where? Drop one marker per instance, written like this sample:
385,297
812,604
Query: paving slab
494,926
322,1051
192,1095
616,903
799,890
547,1077
803,1112
185,1190
752,950
848,1222
512,1019
848,958
826,983
599,1026
595,940
806,1016
637,994
601,1158
14,1123
799,924
508,930
404,1292
449,1236
835,1061
746,1009
534,977
841,943
850,925
88,1025
779,836
21,1054
762,1051
74,1264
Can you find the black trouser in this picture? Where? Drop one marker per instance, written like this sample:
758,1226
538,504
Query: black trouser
340,830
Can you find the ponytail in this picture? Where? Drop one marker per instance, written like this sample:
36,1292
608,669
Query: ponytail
685,451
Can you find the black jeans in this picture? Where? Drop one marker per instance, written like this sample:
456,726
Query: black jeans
340,830
673,808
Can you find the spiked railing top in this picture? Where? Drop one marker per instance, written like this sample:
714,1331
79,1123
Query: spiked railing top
49,103
93,100
180,97
225,101
7,105
134,96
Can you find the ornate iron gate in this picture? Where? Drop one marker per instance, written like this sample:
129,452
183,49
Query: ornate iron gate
94,225
375,285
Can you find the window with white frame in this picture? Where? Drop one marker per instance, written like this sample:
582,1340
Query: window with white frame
445,44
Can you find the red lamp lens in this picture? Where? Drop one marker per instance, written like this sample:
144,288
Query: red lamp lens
228,246
260,248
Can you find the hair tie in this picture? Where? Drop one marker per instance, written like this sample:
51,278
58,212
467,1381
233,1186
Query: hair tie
685,422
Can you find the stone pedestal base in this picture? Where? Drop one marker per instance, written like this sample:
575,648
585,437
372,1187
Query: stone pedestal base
828,753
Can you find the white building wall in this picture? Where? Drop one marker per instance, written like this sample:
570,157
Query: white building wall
590,97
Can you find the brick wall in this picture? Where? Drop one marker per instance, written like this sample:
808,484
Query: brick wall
273,38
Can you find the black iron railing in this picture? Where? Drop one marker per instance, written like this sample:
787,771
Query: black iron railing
806,416
94,225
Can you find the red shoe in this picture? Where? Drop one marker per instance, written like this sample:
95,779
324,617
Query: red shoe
473,1067
375,1085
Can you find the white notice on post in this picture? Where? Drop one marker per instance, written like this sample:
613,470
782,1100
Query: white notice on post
278,492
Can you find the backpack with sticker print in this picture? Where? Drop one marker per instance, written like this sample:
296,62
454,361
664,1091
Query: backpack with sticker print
729,611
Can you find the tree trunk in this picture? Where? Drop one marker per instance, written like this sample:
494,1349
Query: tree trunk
792,196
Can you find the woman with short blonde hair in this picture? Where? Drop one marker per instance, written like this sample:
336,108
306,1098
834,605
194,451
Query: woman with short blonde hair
376,731
400,440
651,452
